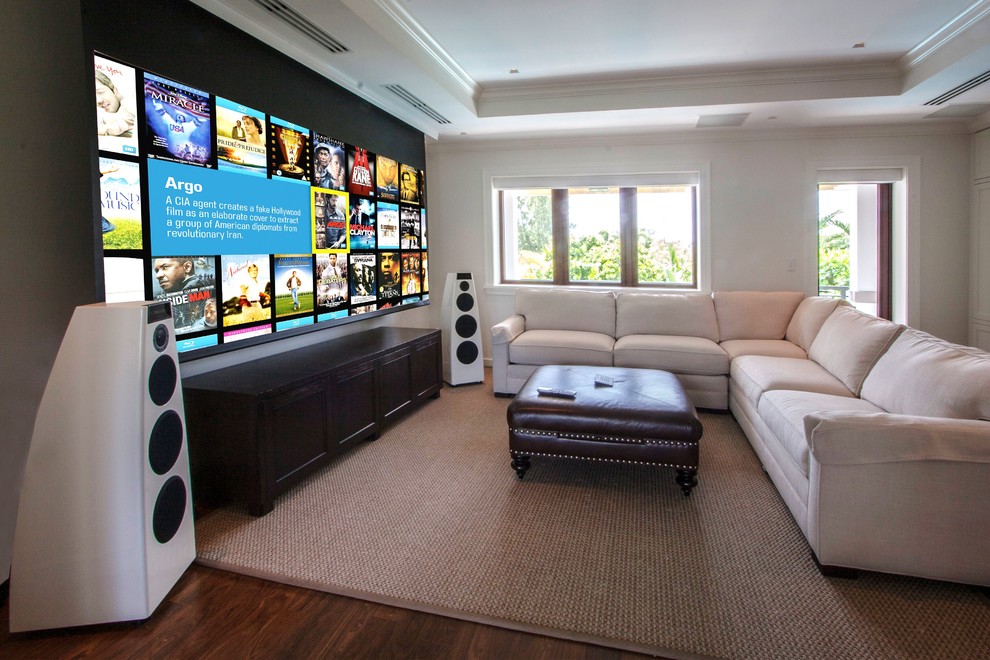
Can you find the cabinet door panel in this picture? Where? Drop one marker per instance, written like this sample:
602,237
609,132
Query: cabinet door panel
354,406
396,385
427,369
299,430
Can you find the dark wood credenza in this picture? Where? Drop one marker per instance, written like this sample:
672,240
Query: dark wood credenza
257,428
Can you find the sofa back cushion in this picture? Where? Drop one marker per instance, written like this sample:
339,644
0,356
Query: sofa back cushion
754,314
676,314
808,319
559,309
850,343
923,375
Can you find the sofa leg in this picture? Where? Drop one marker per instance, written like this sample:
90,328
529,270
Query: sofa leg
841,572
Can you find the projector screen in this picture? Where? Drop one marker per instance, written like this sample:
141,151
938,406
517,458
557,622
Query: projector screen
250,225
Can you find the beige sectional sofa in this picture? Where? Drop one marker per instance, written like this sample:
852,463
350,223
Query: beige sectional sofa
877,436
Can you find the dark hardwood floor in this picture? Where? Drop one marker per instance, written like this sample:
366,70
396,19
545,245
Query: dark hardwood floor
216,614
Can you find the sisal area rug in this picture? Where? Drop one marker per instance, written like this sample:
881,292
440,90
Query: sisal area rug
431,517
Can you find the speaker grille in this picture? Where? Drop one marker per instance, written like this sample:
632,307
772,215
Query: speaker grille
165,442
467,352
170,508
465,326
465,302
162,380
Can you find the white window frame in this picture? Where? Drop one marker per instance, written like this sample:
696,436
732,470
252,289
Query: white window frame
668,173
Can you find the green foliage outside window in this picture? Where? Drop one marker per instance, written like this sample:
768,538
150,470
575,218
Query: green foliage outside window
593,257
833,251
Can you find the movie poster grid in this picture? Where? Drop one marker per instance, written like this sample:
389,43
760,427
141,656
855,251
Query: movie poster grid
181,124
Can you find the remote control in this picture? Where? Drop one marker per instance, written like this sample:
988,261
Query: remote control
603,380
556,392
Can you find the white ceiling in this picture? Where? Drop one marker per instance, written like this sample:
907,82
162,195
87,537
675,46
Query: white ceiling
608,66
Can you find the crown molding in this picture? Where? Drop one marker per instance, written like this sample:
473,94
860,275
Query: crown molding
707,136
966,19
391,19
704,88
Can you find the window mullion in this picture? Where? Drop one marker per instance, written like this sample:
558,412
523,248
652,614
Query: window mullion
559,210
627,236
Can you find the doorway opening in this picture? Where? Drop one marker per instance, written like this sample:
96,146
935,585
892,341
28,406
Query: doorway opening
855,245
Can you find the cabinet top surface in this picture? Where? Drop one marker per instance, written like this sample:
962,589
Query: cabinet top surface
269,375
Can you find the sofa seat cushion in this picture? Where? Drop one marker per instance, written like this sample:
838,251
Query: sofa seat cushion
783,412
679,355
770,347
756,374
561,347
923,375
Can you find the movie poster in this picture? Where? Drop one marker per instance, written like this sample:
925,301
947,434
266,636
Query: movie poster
178,122
120,204
388,226
189,283
422,228
389,277
246,288
329,163
330,216
240,139
409,222
408,184
388,179
116,106
289,151
425,269
331,289
362,224
411,275
361,167
293,284
362,279
421,182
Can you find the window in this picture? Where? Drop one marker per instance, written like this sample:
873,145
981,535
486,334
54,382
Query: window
608,235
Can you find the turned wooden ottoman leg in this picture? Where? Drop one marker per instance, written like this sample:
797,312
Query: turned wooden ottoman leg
687,480
520,463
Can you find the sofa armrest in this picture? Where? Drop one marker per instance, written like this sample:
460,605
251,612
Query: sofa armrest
860,438
509,329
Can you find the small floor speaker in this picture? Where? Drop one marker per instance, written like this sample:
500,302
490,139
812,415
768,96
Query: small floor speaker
461,333
104,525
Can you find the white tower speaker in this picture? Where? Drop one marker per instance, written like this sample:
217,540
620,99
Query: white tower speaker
461,333
105,525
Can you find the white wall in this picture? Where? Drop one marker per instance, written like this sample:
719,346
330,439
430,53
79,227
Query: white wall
762,205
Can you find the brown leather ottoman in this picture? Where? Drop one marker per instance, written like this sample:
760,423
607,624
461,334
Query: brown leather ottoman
644,417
